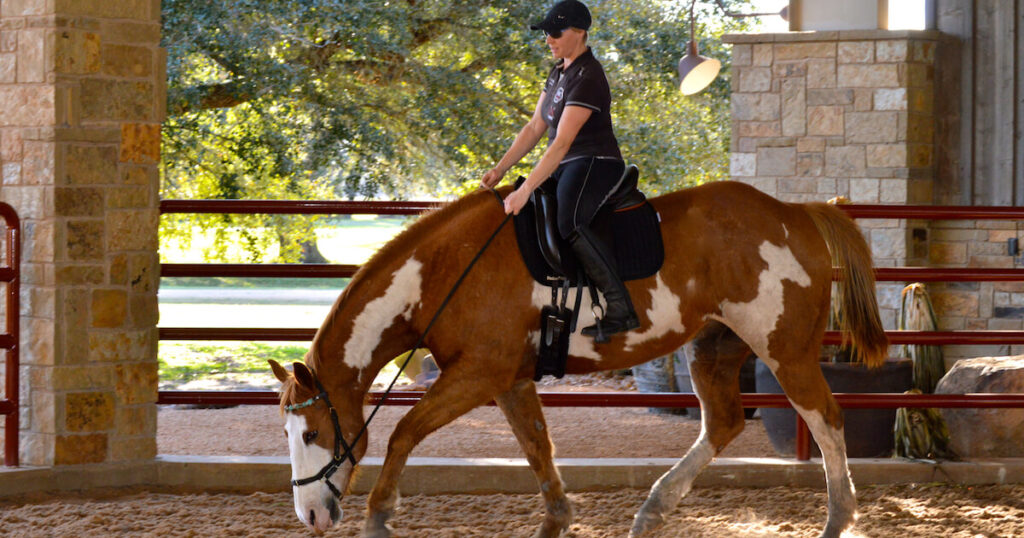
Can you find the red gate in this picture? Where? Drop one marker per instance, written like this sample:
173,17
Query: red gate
10,338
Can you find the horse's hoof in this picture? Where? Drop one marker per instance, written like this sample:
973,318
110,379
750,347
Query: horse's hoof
645,523
378,532
551,529
376,528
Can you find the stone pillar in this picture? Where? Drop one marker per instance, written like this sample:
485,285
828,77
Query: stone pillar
849,113
82,85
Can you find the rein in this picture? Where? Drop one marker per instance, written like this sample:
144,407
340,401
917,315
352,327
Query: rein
342,449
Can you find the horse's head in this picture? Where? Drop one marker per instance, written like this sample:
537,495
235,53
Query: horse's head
320,428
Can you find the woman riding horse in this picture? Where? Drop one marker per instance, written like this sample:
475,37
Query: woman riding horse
582,163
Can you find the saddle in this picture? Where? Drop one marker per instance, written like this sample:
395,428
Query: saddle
627,223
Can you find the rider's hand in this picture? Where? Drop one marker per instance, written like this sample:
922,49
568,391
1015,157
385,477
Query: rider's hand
515,201
491,178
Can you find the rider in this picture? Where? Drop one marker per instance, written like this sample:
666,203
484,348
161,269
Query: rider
582,163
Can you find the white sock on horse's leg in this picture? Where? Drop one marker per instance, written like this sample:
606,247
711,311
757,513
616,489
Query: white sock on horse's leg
670,488
842,499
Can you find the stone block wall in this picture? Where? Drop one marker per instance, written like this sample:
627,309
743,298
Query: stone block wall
976,305
850,113
82,86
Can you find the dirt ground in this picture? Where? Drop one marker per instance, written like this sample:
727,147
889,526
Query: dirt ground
885,511
905,511
590,432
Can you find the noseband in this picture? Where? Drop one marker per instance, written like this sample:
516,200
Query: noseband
339,443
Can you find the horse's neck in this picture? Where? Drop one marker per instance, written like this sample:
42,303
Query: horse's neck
370,324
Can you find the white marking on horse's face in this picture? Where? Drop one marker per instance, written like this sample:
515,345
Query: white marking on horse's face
663,313
755,320
307,460
401,296
579,345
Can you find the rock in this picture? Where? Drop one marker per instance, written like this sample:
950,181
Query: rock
995,433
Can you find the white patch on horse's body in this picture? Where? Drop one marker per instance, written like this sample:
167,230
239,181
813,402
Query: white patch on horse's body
755,320
663,313
579,345
307,460
398,300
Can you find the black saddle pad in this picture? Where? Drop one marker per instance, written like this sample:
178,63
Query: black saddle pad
633,233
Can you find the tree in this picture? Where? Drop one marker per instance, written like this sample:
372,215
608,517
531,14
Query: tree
292,99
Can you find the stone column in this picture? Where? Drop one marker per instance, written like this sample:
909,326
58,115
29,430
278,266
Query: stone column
842,113
82,86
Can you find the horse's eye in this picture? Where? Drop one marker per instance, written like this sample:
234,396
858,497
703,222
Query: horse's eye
309,437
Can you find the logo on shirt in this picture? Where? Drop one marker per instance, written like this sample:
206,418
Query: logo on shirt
558,95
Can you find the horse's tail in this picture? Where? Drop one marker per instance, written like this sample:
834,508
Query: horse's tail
857,311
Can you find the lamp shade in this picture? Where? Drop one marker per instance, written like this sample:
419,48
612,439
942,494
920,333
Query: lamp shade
695,71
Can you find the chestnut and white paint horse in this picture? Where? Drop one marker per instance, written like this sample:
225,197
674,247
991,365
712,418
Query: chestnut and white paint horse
743,273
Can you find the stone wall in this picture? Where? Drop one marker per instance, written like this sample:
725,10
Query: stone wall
976,305
823,114
82,86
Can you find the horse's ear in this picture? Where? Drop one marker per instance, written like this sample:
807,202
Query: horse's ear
303,376
279,372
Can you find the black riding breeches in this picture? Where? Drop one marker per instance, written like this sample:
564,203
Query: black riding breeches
582,186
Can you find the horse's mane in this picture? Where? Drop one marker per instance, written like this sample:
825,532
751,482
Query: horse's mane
403,243
410,238
287,393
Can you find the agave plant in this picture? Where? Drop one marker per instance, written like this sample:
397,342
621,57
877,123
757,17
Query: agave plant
921,433
917,314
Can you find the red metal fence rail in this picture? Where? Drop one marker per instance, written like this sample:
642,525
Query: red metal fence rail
899,274
9,340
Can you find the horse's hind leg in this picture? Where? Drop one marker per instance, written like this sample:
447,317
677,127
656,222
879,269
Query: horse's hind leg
522,408
718,356
805,387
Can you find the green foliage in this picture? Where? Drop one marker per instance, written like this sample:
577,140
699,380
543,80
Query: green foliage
227,363
320,99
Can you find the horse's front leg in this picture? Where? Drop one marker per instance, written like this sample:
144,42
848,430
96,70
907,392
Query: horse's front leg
455,393
522,408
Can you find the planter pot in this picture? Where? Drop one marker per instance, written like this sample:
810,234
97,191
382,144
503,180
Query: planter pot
869,432
657,376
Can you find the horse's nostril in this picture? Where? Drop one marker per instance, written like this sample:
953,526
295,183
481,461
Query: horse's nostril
334,511
312,518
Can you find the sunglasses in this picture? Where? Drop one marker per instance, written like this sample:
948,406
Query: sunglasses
554,34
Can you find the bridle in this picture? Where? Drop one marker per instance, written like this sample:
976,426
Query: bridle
339,442
340,457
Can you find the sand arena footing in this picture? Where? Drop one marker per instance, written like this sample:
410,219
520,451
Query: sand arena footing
497,475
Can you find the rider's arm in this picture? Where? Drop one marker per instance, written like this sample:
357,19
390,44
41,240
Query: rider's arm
569,125
525,141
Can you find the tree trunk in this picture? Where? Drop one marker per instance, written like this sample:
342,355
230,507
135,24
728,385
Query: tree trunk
311,253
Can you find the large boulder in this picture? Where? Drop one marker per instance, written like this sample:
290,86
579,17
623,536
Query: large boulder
994,433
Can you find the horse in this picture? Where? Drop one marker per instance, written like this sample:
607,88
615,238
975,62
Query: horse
743,273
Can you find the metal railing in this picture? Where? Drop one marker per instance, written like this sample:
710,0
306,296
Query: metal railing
9,340
847,401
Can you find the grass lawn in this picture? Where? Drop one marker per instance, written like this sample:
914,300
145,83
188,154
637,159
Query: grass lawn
208,365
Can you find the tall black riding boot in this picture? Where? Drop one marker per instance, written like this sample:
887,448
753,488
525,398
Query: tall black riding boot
619,315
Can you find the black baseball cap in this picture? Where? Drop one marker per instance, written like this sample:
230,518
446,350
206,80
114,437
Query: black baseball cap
563,15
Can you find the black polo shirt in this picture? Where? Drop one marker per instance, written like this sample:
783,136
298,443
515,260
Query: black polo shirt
584,84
